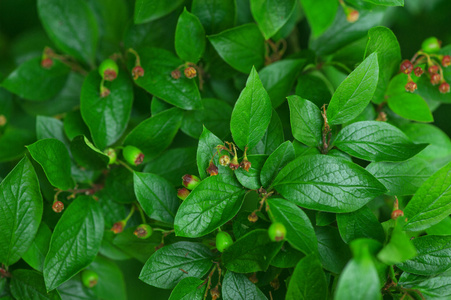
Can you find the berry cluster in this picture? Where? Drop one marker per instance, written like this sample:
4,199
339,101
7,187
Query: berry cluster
225,161
190,71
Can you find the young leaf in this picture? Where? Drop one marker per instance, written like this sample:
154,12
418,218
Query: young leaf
251,179
156,195
361,223
239,287
251,253
242,47
189,288
376,141
275,162
354,93
29,284
271,15
306,121
52,155
308,280
72,26
20,211
87,155
146,11
172,263
35,255
75,241
399,249
410,106
215,15
251,114
211,204
189,37
327,183
320,14
107,117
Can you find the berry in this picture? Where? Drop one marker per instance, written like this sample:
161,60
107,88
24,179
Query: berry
435,79
212,169
446,61
108,69
224,160
254,278
133,155
104,91
234,165
397,213
143,231
245,164
214,292
223,241
190,72
182,193
58,206
89,278
410,86
190,181
176,74
418,71
444,88
277,232
111,155
137,72
406,67
352,15
47,63
430,45
118,227
252,217
433,69
3,120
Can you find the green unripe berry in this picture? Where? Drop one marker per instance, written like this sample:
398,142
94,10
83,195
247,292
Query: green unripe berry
430,45
277,232
133,155
111,155
89,278
108,69
223,241
190,181
143,231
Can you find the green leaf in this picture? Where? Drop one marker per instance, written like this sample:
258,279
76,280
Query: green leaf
275,162
146,11
441,228
189,37
436,287
71,26
314,88
251,114
155,134
107,117
215,15
320,14
287,257
111,283
361,223
300,233
239,287
434,256
54,158
75,241
271,15
134,247
400,247
74,125
272,138
87,155
158,65
13,141
411,107
376,141
172,263
251,253
306,121
47,128
20,211
401,178
156,195
242,47
75,290
387,2
308,280
29,284
354,93
333,252
33,82
35,255
431,203
119,186
327,183
189,288
211,204
251,179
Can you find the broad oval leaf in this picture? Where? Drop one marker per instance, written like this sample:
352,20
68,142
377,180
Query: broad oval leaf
20,211
376,141
239,287
107,117
87,155
75,241
275,162
410,106
189,37
169,265
111,283
436,287
146,11
50,128
334,254
271,15
320,14
361,223
387,2
306,121
189,288
35,255
215,15
272,138
29,284
327,183
251,114
251,179
211,204
354,93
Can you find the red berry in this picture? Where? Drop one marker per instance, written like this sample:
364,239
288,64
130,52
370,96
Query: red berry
277,232
410,86
190,181
406,67
190,72
176,74
182,193
435,79
133,155
397,213
212,169
446,61
89,278
47,63
352,15
118,227
58,206
444,88
137,72
433,69
143,231
418,71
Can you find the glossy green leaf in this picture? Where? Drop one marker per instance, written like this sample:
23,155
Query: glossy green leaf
74,125
251,253
13,141
361,223
134,247
251,179
111,283
272,138
376,141
431,203
189,37
320,14
314,88
271,15
287,257
239,287
300,233
87,155
157,196
189,288
71,26
327,183
107,117
158,65
411,107
169,265
47,128
215,15
75,290
146,11
119,186
308,280
306,121
241,47
155,134
29,284
35,255
20,211
211,204
333,252
399,248
354,93
251,114
441,228
75,241
33,82
54,158
275,162
387,2
433,287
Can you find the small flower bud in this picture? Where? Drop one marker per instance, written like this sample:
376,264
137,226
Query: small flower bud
58,206
406,67
418,71
118,227
89,278
176,74
3,120
190,181
47,63
444,88
446,61
397,213
352,15
143,231
190,72
245,164
137,72
212,169
214,292
435,79
275,284
182,193
104,91
234,165
224,160
111,155
410,86
433,69
252,217
254,278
